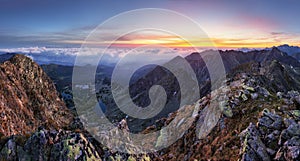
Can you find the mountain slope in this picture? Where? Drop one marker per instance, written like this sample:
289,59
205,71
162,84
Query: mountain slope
231,59
258,122
28,98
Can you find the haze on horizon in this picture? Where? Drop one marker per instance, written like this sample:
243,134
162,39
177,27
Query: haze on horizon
252,24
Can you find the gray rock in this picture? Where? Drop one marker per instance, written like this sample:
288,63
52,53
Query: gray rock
264,91
279,95
236,101
270,121
287,101
287,122
253,147
36,146
9,151
283,108
274,138
288,153
297,99
292,94
271,140
254,95
246,92
45,145
271,151
294,141
283,137
294,130
293,153
226,110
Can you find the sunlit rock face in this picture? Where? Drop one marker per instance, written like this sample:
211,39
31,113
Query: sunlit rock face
28,98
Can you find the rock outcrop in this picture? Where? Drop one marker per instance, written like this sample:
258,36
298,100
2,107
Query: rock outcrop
28,98
50,145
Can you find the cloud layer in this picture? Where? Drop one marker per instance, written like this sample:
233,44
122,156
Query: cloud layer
67,56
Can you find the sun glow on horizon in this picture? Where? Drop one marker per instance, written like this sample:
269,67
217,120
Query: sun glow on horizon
176,42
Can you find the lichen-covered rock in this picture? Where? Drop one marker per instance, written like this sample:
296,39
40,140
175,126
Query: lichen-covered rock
46,145
225,108
251,89
162,139
273,138
9,150
36,146
253,147
74,147
296,114
244,97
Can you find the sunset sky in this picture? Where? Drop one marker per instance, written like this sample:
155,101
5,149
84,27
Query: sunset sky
229,24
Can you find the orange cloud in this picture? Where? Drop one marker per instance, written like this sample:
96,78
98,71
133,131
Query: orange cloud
257,41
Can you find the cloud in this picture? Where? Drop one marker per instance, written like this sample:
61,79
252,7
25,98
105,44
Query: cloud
67,56
277,33
19,37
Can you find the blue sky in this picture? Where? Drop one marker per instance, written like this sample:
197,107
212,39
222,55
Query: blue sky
232,23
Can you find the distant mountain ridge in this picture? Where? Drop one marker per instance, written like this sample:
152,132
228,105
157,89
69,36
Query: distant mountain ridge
293,51
290,50
287,77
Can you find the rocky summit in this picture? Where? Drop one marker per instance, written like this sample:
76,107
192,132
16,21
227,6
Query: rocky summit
28,98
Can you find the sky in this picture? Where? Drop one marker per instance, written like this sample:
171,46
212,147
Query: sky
228,24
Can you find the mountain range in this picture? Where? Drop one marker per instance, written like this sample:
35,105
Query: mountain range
259,115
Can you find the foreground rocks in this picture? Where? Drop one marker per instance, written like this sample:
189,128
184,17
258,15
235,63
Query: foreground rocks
276,136
273,138
62,145
257,123
50,145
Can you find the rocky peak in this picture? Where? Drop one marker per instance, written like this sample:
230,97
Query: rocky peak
28,98
5,57
275,49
